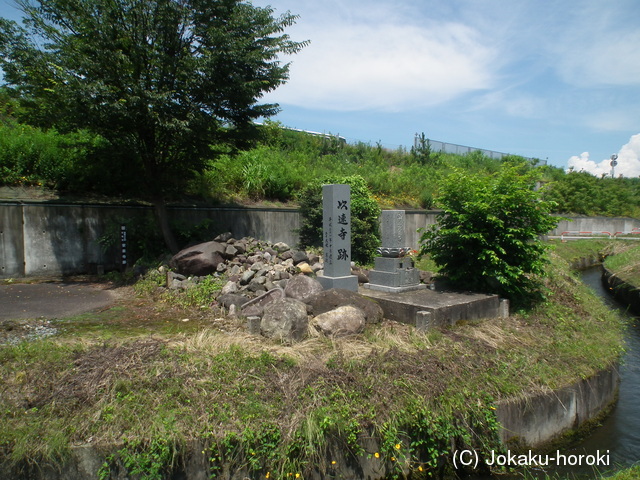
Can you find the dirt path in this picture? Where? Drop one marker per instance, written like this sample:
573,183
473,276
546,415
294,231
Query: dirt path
52,300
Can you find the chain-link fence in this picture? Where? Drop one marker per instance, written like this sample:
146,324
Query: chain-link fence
453,148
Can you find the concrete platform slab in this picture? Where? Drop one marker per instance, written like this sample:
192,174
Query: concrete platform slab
428,308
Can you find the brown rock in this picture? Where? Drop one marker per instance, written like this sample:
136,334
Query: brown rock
305,268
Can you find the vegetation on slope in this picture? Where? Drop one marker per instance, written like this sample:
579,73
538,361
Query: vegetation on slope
281,165
626,265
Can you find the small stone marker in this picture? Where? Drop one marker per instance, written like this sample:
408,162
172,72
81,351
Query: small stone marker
394,271
423,320
123,247
336,241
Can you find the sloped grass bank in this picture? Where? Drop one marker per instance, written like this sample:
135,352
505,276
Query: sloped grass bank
388,403
622,276
626,266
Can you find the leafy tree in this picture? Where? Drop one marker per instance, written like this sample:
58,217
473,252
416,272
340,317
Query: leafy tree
582,193
365,212
162,79
487,238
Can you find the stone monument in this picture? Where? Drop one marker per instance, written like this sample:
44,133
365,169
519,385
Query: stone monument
336,238
394,270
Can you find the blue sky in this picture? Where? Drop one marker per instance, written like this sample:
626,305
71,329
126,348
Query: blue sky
556,80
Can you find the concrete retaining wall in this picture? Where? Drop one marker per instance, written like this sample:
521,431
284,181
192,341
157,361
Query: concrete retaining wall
596,224
11,243
622,291
538,419
48,239
415,220
39,239
43,239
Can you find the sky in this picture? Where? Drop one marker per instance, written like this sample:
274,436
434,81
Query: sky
555,80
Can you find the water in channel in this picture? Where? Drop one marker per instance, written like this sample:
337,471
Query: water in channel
620,431
619,435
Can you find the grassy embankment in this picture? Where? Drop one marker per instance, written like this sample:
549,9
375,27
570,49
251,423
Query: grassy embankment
141,377
626,265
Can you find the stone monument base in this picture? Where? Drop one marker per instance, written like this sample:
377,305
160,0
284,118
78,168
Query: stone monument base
394,275
350,282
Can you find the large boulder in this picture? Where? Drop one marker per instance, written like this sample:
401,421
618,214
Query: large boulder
302,288
340,322
198,260
335,297
285,319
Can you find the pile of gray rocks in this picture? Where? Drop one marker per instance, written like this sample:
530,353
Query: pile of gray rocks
273,287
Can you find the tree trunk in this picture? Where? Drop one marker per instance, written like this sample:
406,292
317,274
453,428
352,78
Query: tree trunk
163,221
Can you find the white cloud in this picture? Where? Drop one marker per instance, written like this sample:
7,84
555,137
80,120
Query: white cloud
628,161
358,65
583,163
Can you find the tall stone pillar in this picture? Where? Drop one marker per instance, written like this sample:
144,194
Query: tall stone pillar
336,241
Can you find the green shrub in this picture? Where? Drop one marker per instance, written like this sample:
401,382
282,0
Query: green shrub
487,238
365,235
